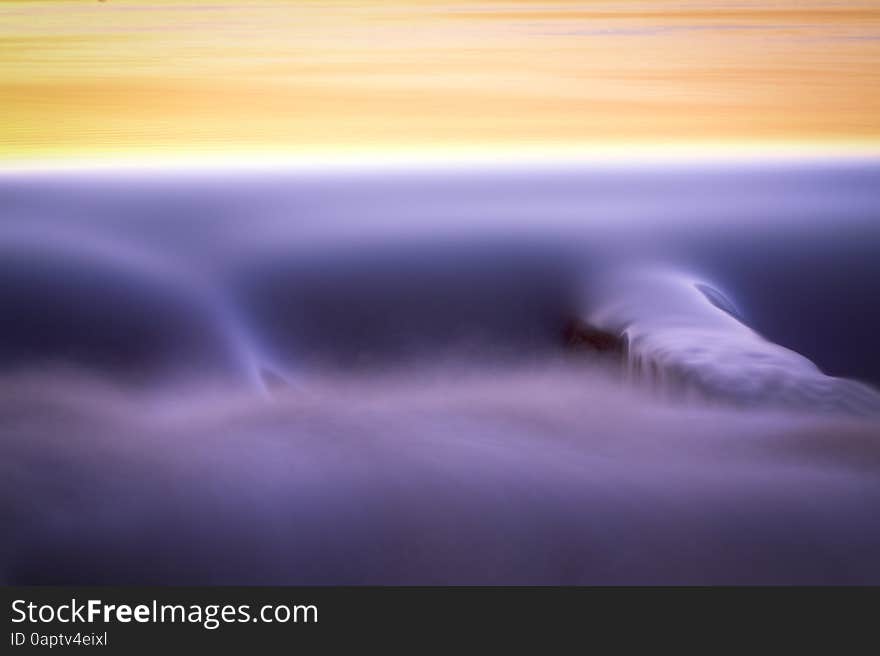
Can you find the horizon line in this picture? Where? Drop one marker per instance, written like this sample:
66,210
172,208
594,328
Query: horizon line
497,157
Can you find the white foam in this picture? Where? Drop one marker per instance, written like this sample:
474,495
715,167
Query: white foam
680,341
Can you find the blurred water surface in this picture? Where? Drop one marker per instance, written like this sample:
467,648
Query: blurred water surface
371,376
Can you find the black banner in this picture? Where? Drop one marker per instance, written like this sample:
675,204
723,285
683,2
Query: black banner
164,619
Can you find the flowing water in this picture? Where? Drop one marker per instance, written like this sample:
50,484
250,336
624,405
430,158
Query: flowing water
570,373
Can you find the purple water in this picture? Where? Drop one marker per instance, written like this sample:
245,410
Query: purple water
372,376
